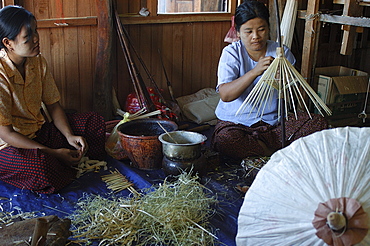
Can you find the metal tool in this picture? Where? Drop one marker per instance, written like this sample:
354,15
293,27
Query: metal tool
363,114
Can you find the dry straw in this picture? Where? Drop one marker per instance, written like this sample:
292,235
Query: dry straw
8,218
174,213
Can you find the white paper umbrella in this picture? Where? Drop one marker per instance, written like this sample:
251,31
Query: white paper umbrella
330,170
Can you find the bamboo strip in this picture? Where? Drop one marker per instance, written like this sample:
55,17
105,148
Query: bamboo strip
118,182
283,77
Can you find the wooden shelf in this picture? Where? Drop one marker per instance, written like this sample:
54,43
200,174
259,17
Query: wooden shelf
350,20
361,3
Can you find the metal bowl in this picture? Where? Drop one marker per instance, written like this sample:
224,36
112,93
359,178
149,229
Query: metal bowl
175,168
182,145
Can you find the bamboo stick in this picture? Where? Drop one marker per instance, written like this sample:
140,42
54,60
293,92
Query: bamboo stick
144,66
140,88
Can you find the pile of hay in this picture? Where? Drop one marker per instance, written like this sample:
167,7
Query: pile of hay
174,213
8,218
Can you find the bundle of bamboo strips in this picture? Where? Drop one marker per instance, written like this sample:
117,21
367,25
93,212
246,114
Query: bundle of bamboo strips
86,165
282,76
141,114
118,182
288,22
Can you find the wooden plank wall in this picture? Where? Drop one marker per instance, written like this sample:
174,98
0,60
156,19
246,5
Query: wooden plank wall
69,50
190,51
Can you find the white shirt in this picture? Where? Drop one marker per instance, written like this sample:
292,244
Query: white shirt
234,63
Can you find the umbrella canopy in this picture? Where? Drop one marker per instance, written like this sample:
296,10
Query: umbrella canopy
292,198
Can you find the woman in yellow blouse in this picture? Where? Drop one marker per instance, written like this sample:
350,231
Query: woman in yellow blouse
35,154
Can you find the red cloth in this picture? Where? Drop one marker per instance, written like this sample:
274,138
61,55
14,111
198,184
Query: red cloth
356,228
34,170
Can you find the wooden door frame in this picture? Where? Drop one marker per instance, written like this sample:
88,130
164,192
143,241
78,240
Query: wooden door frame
7,2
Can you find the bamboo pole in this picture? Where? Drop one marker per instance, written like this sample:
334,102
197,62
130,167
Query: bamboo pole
150,76
280,74
139,85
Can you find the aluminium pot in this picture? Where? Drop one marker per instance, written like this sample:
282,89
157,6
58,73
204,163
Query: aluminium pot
182,145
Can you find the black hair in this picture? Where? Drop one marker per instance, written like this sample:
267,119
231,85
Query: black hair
12,19
248,10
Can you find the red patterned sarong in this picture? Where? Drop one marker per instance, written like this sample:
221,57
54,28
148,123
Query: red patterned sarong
239,141
35,170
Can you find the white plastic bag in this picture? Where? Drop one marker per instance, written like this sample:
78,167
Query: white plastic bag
113,144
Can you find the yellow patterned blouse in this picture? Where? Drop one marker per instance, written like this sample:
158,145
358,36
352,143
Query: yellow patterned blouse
20,100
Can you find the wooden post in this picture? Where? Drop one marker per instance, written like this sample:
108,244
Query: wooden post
311,36
272,10
152,7
7,2
103,102
350,8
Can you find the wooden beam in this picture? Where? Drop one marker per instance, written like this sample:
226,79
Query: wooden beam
351,8
152,7
311,36
154,18
103,98
129,19
340,19
77,21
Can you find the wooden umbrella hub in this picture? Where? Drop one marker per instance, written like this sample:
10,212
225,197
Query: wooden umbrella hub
341,221
279,52
336,221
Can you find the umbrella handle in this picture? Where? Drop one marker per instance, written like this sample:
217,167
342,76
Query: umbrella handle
278,23
336,221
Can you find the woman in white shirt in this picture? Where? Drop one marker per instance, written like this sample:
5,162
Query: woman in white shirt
240,67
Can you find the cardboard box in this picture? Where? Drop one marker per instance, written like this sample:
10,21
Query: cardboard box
342,89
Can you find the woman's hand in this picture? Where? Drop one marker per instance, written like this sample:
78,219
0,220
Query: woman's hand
79,143
61,122
262,65
71,157
232,90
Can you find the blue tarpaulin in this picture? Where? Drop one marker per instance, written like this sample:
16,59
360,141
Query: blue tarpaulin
222,180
